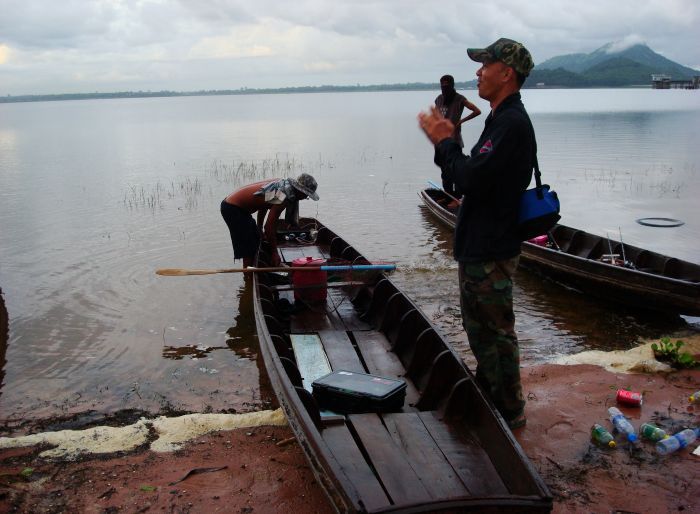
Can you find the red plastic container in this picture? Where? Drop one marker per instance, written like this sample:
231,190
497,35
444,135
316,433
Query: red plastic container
629,398
309,286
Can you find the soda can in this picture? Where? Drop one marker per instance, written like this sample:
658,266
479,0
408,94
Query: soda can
630,398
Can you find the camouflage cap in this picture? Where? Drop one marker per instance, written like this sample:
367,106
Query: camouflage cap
509,52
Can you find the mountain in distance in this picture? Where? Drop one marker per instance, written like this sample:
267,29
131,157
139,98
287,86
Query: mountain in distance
607,67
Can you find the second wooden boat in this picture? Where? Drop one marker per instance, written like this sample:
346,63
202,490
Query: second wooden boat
605,268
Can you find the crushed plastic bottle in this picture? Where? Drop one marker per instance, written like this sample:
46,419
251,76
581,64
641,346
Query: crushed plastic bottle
677,441
695,397
652,432
622,425
601,436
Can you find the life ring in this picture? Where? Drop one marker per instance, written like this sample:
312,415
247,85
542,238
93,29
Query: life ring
660,222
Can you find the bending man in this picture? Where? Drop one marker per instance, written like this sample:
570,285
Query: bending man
269,197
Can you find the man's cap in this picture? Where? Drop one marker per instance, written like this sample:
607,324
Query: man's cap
509,52
306,184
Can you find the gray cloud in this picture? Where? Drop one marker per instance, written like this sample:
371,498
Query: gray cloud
109,45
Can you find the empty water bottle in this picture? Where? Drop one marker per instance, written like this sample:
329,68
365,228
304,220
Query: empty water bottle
677,441
621,424
601,436
695,397
652,432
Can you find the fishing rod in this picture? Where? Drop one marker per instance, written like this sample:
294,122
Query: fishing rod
435,186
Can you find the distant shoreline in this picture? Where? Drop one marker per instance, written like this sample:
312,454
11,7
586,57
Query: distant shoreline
414,86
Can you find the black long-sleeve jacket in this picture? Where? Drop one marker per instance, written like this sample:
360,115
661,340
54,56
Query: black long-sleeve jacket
492,179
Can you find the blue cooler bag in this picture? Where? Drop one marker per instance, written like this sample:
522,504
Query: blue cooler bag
539,209
538,212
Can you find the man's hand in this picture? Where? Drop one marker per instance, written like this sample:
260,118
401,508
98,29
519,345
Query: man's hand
435,125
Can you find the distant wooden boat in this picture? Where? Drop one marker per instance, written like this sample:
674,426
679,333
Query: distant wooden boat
445,449
605,268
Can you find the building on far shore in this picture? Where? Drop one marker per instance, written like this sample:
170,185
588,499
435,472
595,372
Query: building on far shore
663,81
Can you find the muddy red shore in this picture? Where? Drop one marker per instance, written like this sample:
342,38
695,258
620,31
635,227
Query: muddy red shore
259,470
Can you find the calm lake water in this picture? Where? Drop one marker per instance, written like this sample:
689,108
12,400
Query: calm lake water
96,195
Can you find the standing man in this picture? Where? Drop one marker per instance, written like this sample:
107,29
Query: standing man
487,247
451,105
269,197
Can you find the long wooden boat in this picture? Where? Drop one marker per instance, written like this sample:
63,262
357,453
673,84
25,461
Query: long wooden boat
445,450
605,268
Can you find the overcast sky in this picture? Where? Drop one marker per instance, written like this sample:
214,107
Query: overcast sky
72,46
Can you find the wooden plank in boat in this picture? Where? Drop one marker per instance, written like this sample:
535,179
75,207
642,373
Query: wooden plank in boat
393,466
380,360
408,432
340,351
355,467
311,358
313,318
346,311
466,456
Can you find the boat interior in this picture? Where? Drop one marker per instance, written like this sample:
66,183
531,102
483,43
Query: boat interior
590,246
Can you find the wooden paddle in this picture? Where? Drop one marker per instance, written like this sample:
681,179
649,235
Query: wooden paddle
179,272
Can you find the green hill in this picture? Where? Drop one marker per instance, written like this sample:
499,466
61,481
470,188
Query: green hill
607,67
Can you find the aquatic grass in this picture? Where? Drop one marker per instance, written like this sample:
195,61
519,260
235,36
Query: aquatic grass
661,182
252,170
153,198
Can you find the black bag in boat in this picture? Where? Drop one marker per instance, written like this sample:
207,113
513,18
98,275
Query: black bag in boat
539,209
351,392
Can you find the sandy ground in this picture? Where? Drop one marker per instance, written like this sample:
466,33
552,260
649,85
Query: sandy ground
262,469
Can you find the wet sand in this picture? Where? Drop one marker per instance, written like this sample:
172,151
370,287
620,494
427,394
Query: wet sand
262,470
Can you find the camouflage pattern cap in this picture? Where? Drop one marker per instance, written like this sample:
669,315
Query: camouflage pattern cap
509,52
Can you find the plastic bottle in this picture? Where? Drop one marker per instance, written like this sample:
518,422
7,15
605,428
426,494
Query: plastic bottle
695,397
652,432
621,424
677,441
602,436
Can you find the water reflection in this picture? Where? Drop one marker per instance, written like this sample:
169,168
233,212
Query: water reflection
242,338
4,326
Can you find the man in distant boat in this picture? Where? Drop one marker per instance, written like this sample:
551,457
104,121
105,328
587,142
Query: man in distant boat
492,179
451,105
267,197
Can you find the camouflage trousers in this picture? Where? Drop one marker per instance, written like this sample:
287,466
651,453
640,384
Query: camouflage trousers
486,299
